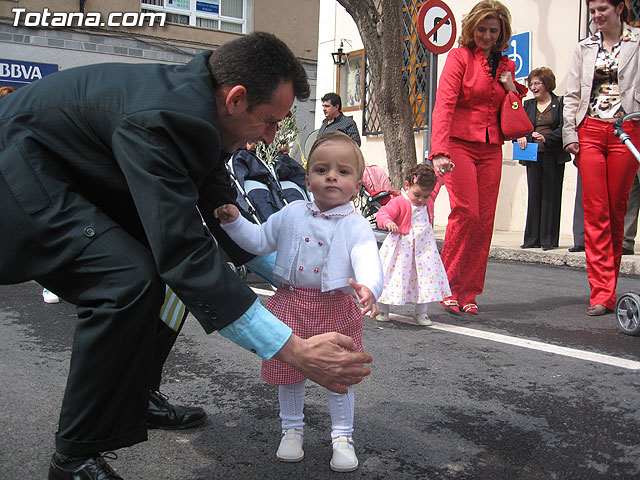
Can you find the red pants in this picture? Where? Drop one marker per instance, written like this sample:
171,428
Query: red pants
473,193
607,169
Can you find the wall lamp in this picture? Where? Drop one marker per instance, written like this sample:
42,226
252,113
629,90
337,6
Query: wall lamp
339,57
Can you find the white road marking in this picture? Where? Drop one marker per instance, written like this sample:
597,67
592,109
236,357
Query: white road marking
518,342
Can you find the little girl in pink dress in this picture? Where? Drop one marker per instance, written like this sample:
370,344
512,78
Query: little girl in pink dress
413,270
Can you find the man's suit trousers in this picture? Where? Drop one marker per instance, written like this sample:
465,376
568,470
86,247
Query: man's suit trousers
118,294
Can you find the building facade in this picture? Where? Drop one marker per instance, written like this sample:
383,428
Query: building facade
545,33
38,38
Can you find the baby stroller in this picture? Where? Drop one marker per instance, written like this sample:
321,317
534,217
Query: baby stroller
263,189
628,305
375,192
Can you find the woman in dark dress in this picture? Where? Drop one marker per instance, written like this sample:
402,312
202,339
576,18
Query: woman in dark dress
545,175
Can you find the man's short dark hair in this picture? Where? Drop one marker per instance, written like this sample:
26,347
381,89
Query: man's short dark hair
334,98
259,62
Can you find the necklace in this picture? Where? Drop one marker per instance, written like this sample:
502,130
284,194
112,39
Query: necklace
491,61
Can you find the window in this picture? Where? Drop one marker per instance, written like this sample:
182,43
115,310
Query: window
225,15
350,81
418,74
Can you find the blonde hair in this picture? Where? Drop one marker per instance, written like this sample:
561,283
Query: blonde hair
482,11
4,91
336,136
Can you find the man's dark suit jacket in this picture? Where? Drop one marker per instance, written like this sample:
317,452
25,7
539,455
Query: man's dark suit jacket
553,144
136,146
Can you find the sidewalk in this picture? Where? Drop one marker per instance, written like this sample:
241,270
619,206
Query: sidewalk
506,246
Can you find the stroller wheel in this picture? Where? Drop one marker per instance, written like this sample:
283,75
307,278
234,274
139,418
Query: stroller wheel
628,313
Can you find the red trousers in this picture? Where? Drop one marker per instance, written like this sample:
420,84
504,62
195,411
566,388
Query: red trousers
607,169
473,193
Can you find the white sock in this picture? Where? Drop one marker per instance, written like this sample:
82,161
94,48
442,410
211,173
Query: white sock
341,409
421,308
291,398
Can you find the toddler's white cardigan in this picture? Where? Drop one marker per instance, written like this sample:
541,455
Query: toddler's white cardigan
353,250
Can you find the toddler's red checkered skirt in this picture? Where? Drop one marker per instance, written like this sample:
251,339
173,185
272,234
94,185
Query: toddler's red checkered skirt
311,312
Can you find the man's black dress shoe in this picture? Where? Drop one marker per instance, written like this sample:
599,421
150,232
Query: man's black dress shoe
529,245
546,248
63,467
627,251
577,248
163,415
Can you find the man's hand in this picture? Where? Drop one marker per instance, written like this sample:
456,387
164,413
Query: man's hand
365,298
226,213
327,359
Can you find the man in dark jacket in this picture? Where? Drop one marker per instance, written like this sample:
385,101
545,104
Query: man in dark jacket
334,119
106,173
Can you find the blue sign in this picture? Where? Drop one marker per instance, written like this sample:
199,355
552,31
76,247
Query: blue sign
18,74
520,52
208,6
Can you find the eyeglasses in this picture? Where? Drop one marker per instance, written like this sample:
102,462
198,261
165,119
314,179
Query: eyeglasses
536,84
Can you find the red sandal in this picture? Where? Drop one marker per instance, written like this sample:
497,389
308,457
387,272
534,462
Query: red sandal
451,304
471,308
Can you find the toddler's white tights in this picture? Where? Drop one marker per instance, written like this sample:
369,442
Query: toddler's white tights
341,409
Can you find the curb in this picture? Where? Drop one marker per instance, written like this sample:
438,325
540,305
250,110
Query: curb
629,265
559,257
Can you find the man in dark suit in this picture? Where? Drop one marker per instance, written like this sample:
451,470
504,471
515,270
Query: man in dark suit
106,173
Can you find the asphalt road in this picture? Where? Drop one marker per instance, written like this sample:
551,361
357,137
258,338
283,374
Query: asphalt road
442,403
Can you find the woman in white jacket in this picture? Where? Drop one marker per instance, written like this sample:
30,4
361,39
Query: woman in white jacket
602,86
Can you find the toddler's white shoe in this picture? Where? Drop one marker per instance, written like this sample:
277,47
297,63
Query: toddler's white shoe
383,317
422,319
290,449
50,297
344,455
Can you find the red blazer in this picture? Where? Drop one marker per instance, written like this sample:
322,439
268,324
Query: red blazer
468,100
398,211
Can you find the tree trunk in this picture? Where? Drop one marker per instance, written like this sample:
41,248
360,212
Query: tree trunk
382,32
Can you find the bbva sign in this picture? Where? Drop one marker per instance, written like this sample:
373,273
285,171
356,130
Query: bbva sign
15,72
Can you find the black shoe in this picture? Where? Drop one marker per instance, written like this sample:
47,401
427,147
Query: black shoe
627,251
547,248
163,415
577,248
63,467
529,245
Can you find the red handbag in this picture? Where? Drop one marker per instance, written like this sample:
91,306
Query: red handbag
514,121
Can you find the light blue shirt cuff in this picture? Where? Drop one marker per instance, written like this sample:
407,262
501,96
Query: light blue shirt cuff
263,266
258,331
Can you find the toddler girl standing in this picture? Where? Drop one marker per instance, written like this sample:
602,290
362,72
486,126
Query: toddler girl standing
413,270
321,247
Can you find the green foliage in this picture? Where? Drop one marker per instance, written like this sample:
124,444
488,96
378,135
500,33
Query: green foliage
286,136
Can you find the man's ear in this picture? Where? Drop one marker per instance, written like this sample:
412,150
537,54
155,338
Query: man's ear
236,99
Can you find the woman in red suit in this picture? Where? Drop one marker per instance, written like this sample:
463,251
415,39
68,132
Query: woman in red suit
466,130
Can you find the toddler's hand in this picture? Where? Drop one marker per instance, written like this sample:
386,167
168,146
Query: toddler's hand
365,298
226,213
392,227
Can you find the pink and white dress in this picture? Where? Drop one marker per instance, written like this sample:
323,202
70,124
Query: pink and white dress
413,270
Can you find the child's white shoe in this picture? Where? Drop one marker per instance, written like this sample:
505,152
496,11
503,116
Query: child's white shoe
290,449
383,317
422,319
344,455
